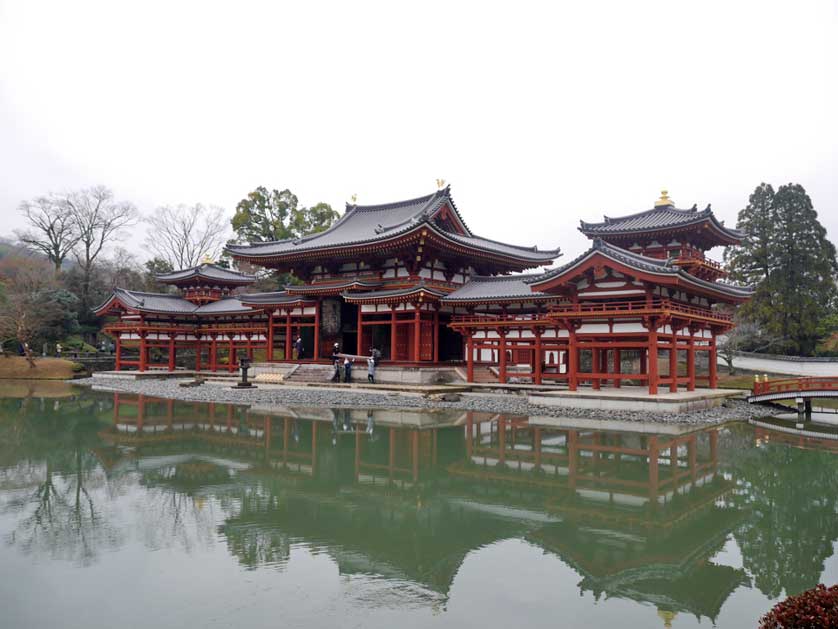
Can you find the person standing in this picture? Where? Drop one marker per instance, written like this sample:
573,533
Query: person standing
347,368
336,362
371,367
298,345
58,350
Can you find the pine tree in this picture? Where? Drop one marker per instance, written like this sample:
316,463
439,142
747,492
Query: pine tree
789,259
803,268
749,264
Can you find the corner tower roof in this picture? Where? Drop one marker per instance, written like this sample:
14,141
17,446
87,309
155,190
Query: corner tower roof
206,273
663,217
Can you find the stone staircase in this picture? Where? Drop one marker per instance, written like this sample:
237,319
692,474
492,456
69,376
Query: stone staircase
310,373
484,375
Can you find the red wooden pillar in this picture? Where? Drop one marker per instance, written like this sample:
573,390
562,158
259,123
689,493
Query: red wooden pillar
713,366
502,356
653,360
572,458
269,354
436,334
714,446
691,363
414,453
171,352
617,367
143,352
140,412
391,453
417,333
595,356
537,366
469,433
653,468
469,356
231,362
501,440
673,363
288,355
359,349
314,448
118,352
393,332
357,451
317,330
572,360
198,355
213,354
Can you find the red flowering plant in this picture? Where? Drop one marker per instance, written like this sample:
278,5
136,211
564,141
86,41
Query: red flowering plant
812,609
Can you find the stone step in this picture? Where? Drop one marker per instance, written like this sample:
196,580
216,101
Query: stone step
484,375
311,373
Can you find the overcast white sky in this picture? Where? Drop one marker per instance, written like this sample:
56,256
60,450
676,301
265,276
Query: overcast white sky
538,114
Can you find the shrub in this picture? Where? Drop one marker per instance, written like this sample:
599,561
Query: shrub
811,609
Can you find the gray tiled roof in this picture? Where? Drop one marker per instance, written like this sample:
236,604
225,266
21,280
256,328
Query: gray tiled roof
396,292
319,286
657,218
276,297
643,263
370,223
208,272
482,288
230,305
154,302
162,303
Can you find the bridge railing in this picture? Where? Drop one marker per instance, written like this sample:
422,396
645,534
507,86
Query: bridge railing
796,384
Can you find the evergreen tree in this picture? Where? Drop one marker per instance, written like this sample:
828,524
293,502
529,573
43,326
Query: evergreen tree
267,215
789,258
750,263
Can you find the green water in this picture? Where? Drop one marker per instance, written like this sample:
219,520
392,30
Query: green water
117,511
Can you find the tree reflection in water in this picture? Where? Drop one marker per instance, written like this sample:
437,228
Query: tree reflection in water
792,524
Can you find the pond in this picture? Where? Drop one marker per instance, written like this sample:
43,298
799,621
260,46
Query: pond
123,510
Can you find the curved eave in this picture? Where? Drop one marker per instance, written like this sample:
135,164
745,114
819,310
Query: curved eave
507,299
423,293
414,231
274,300
725,235
333,289
665,275
106,307
205,280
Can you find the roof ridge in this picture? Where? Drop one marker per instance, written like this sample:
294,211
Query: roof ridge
607,220
502,278
398,204
149,294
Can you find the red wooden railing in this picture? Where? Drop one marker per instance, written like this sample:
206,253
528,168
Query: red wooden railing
606,308
796,384
639,307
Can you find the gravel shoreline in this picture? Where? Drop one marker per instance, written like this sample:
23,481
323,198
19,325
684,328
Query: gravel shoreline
732,410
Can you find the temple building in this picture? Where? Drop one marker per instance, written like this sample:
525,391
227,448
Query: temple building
412,280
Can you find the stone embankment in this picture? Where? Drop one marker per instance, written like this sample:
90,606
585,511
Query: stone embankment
508,403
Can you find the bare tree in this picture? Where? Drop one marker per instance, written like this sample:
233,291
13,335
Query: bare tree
23,315
183,235
97,219
52,229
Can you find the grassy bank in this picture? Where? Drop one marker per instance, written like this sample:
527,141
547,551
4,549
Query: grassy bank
16,367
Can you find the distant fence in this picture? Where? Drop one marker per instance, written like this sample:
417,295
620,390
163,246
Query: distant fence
785,365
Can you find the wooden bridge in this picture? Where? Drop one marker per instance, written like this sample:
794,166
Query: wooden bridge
800,389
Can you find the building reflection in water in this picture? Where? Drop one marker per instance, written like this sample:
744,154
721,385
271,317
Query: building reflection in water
408,495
